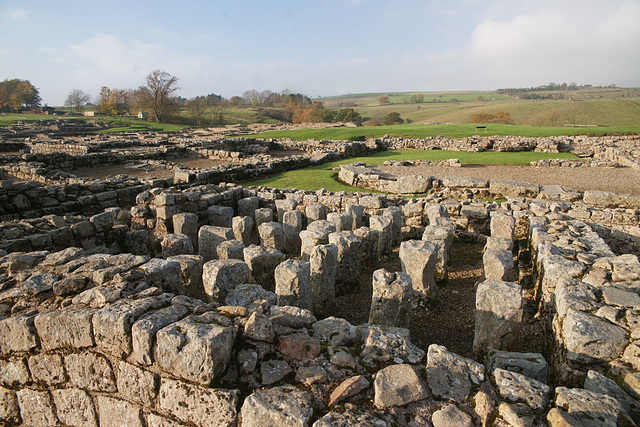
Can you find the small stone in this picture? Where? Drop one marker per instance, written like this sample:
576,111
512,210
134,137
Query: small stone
349,387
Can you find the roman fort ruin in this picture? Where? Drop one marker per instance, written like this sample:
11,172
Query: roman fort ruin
188,299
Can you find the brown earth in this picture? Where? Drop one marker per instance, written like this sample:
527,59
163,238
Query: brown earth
616,180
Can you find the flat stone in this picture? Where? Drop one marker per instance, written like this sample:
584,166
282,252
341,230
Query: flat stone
299,346
590,339
273,371
533,365
620,297
397,385
143,331
451,376
90,371
74,407
517,388
65,328
449,416
278,406
588,408
349,387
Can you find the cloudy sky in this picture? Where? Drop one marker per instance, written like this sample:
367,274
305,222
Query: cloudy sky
319,47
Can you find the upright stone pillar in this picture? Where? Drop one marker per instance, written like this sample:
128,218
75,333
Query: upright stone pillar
248,206
502,225
384,226
293,284
348,271
315,212
285,205
209,237
342,221
262,263
357,213
323,264
222,275
292,226
442,235
272,235
242,228
263,215
220,216
395,214
369,247
391,299
499,311
186,223
418,260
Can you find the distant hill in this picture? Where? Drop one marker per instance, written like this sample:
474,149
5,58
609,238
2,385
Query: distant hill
599,106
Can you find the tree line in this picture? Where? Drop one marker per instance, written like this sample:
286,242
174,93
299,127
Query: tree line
17,95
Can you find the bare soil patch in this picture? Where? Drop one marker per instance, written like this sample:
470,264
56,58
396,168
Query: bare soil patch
616,180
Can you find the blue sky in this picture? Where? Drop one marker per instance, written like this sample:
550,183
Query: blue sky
319,48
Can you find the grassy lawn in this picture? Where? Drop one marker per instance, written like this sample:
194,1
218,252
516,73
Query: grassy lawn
448,130
322,176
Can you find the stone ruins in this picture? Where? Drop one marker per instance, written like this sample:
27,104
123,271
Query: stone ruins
195,301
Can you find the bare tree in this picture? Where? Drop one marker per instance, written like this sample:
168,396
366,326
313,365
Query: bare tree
77,99
157,95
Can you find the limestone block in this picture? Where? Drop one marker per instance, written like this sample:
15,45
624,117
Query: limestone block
209,237
315,212
17,334
242,228
418,259
154,420
391,299
246,294
262,262
349,387
414,184
279,406
102,222
342,221
397,385
248,206
14,373
310,239
112,324
335,331
384,226
272,235
598,383
357,213
589,409
203,406
36,408
451,376
348,268
221,275
220,216
533,365
293,284
259,328
143,331
47,368
263,215
292,226
285,205
450,415
517,388
191,269
389,345
138,242
176,244
441,234
369,246
503,225
114,412
186,223
74,407
299,346
499,308
196,348
590,339
65,328
137,384
512,188
272,371
323,264
9,408
231,249
395,214
498,265
90,371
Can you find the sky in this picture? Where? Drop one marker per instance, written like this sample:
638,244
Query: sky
319,47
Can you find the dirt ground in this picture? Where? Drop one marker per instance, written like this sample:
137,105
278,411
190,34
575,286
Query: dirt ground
616,180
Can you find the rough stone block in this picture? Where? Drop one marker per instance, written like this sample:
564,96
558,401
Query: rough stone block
292,226
65,328
114,412
90,371
293,284
36,408
242,229
9,407
262,262
278,406
186,223
191,268
143,332
176,244
272,235
220,216
209,237
47,368
137,384
397,385
323,265
391,299
231,249
17,334
222,275
418,259
74,407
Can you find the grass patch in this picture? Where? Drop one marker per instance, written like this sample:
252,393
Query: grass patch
449,130
322,176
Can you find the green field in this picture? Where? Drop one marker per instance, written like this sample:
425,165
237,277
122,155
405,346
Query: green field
448,130
322,176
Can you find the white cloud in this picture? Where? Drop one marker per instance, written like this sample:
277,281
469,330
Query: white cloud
19,15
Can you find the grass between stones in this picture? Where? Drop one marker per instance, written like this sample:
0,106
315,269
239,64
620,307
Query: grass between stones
323,176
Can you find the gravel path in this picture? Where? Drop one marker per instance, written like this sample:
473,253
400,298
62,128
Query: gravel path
616,180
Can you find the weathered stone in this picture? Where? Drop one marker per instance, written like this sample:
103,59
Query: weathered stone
137,384
196,348
391,299
588,408
311,375
191,269
262,262
498,265
369,246
231,249
248,206
323,264
65,328
620,297
559,418
163,274
186,223
511,188
242,227
499,309
389,345
310,239
348,418
90,371
348,268
112,324
384,226
349,387
272,235
114,412
451,416
74,407
533,365
14,373
63,256
418,259
202,406
220,216
222,275
17,334
47,368
9,408
293,284
590,339
273,371
299,346
397,385
246,294
36,408
259,328
209,237
292,226
516,388
278,406
176,244
315,212
449,375
442,235
334,331
70,286
598,383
